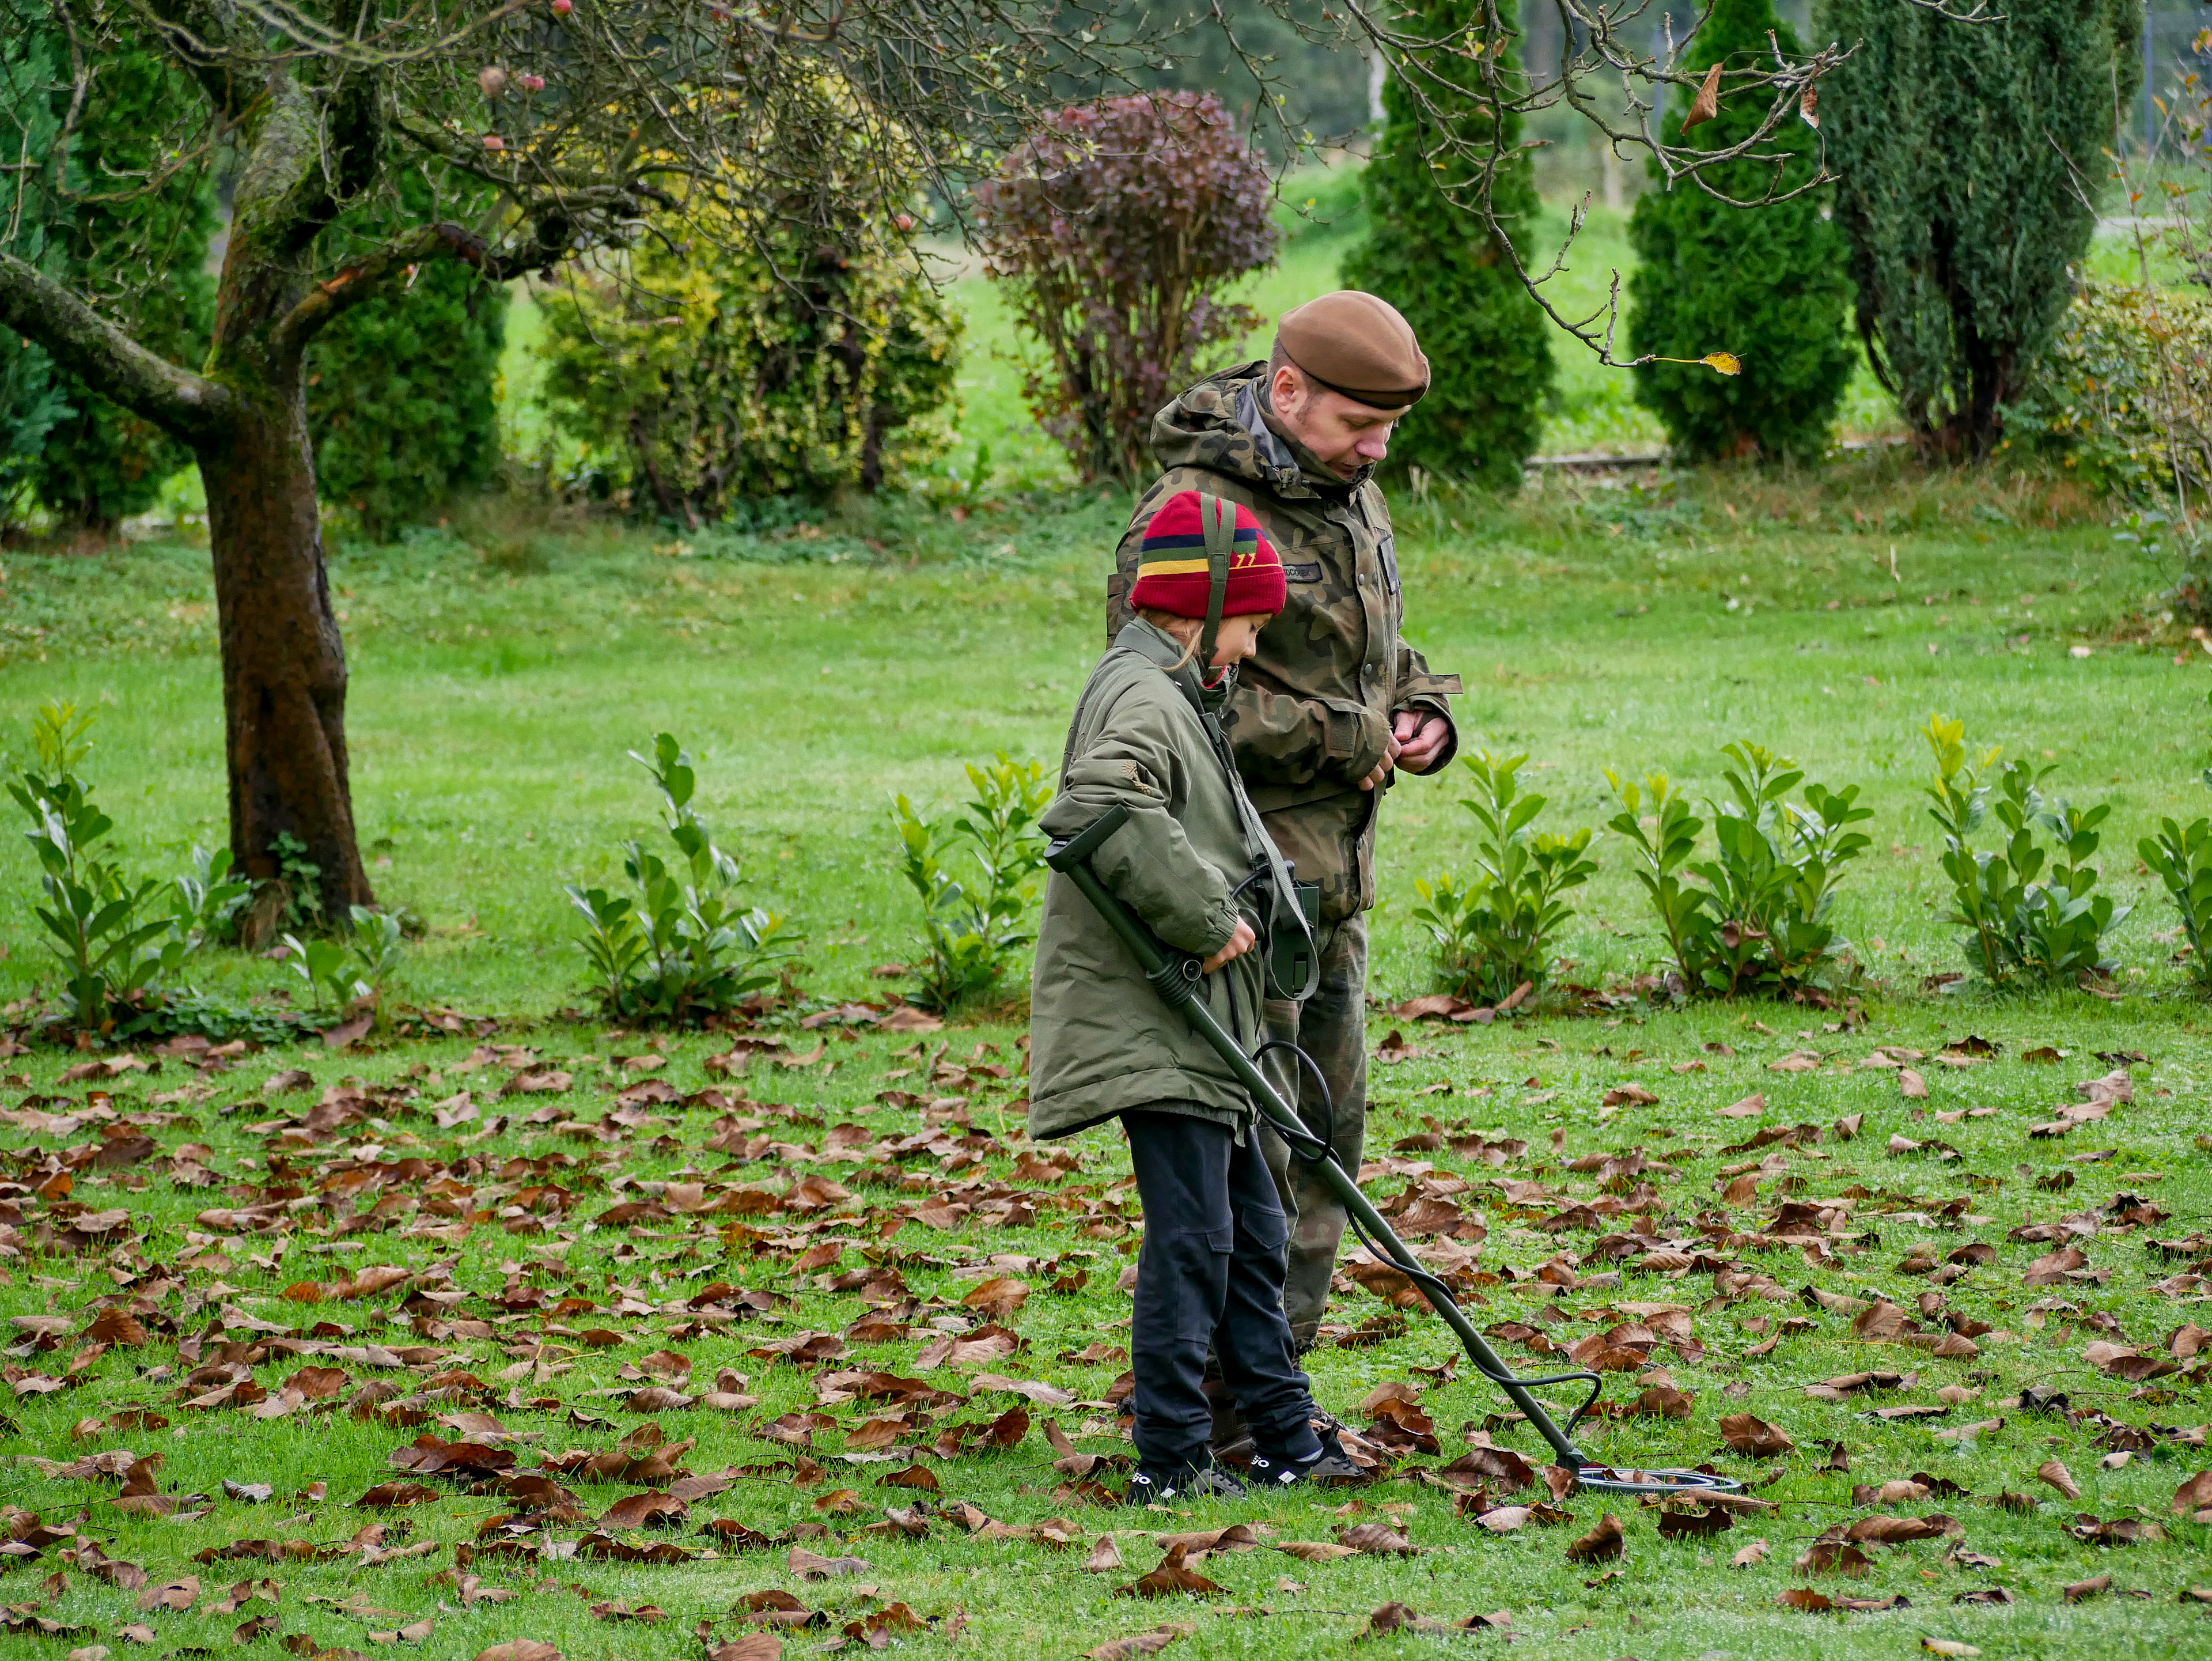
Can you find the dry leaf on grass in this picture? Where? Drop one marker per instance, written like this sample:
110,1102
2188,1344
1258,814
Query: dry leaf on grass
521,1649
1601,1545
1169,1579
1377,1539
749,1646
1315,1551
1688,1523
2052,1471
173,1596
1748,1435
1141,1643
1754,1552
1833,1557
1105,1557
1887,1530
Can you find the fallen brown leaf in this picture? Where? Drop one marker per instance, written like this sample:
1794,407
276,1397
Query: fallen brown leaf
1601,1545
1137,1644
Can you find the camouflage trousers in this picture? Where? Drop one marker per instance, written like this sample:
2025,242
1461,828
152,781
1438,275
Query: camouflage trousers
1331,1028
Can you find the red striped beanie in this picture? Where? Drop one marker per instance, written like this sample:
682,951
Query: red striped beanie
1172,574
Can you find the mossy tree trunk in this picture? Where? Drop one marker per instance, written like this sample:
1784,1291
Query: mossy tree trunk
283,660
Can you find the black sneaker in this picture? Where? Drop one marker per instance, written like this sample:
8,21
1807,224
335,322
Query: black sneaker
1331,1468
1151,1486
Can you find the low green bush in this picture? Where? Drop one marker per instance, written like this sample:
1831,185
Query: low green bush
798,354
2019,922
973,932
344,972
1755,919
2122,394
1493,936
681,951
115,943
2180,856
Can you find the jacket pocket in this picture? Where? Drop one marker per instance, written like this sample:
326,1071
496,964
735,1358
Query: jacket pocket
1356,736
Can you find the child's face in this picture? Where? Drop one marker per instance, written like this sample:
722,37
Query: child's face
1239,638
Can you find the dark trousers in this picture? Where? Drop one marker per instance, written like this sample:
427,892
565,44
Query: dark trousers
1210,1275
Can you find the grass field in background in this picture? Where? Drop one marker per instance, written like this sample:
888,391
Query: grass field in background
496,692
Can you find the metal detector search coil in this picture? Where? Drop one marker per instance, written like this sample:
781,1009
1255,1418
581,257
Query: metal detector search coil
1175,976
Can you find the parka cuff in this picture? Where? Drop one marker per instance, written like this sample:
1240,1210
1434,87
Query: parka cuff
1437,705
1218,930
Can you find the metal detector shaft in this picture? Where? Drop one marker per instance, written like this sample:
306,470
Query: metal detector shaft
1175,974
1177,977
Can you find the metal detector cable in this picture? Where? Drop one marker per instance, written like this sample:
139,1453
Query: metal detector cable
1315,1150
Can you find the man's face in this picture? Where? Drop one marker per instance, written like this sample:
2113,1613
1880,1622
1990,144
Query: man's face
1344,433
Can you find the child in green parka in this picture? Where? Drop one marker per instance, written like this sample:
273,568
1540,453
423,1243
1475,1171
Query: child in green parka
1102,1044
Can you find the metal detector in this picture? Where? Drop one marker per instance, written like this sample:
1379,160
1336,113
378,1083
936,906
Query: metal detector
1174,975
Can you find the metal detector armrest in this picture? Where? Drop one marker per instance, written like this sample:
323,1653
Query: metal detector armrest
1064,856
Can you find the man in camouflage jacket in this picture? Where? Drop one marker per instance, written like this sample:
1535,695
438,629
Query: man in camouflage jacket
1320,716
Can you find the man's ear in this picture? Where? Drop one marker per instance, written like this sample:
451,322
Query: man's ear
1286,391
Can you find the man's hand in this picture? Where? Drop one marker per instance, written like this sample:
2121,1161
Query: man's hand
1420,736
1239,943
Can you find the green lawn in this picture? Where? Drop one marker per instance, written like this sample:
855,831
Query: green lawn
500,673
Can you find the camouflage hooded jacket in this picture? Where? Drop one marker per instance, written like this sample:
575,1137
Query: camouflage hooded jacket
1311,714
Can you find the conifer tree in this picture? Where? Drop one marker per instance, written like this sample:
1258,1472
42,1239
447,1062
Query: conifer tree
101,463
1970,156
31,404
401,398
1766,283
1487,343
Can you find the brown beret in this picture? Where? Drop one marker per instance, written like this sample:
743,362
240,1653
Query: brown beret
1359,344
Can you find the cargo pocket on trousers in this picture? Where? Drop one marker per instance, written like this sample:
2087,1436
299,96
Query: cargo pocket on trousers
1267,1228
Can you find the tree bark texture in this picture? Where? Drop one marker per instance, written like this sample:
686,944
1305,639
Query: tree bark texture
283,660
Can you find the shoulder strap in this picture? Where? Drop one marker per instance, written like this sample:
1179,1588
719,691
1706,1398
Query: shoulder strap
1219,520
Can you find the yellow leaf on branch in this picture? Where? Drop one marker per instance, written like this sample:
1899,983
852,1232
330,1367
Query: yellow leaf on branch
1721,362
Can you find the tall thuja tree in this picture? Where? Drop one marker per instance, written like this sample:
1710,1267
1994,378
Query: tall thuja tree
587,120
1970,156
124,195
1767,284
401,391
32,404
1487,343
